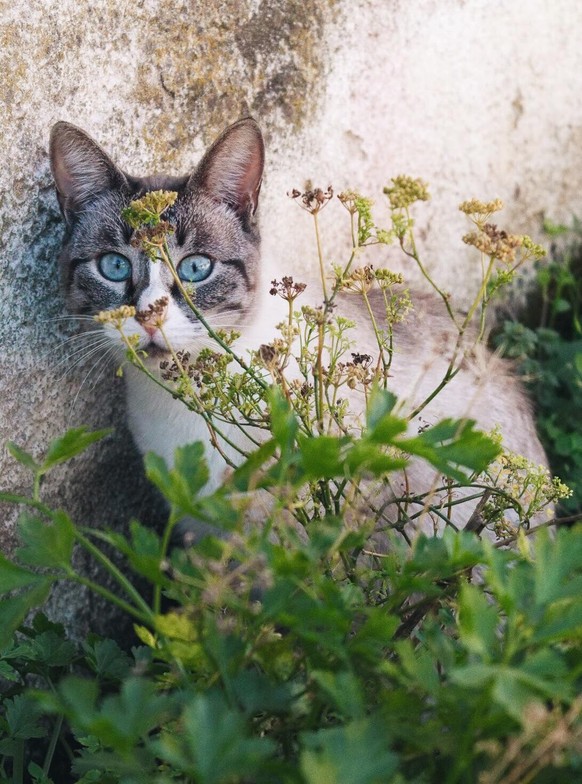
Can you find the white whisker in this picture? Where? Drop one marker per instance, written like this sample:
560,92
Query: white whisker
83,357
81,349
104,360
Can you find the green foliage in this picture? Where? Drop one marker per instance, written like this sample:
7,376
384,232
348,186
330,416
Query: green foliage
308,659
331,644
548,345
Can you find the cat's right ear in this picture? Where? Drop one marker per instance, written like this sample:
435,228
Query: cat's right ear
232,169
81,169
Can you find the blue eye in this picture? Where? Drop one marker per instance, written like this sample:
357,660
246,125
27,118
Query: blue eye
114,267
194,268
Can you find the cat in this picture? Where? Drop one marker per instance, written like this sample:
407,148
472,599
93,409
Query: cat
216,247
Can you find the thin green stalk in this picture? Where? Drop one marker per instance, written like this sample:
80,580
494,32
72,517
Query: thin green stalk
320,257
413,254
165,544
113,570
111,597
52,745
13,498
18,772
377,335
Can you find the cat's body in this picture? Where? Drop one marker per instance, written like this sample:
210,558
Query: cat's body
216,246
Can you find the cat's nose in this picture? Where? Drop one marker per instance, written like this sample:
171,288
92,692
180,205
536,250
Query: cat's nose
153,316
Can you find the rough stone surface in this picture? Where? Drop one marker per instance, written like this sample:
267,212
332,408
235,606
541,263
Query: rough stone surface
478,97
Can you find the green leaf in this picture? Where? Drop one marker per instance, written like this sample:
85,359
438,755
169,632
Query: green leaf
344,689
13,576
23,457
358,753
37,774
15,609
323,457
327,457
454,447
48,544
52,650
381,403
478,621
382,426
22,715
245,475
8,673
181,484
217,739
283,421
72,443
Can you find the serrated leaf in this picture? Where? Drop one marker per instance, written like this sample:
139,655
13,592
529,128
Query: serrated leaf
22,715
181,484
107,659
48,544
358,753
217,739
454,447
344,689
52,650
72,443
37,774
8,673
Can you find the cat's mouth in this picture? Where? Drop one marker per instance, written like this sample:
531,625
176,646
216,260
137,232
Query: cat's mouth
156,352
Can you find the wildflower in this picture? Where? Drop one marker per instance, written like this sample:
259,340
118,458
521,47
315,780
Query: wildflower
175,371
359,280
481,209
312,199
348,199
115,317
286,288
495,242
405,191
386,278
147,211
154,314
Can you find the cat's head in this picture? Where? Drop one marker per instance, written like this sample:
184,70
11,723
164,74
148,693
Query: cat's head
214,247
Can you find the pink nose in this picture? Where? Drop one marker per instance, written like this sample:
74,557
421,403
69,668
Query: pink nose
151,329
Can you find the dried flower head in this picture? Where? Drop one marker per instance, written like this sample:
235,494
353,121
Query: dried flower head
286,288
359,280
312,199
405,191
154,314
348,199
175,371
495,242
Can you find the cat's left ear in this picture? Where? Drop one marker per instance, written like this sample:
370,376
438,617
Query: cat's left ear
232,169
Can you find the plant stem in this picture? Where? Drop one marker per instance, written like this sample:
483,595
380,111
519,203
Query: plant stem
320,257
52,745
113,570
18,772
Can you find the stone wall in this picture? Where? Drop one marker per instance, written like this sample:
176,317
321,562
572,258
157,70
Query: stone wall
478,97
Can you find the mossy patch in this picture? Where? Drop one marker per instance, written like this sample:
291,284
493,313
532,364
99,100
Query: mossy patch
209,65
